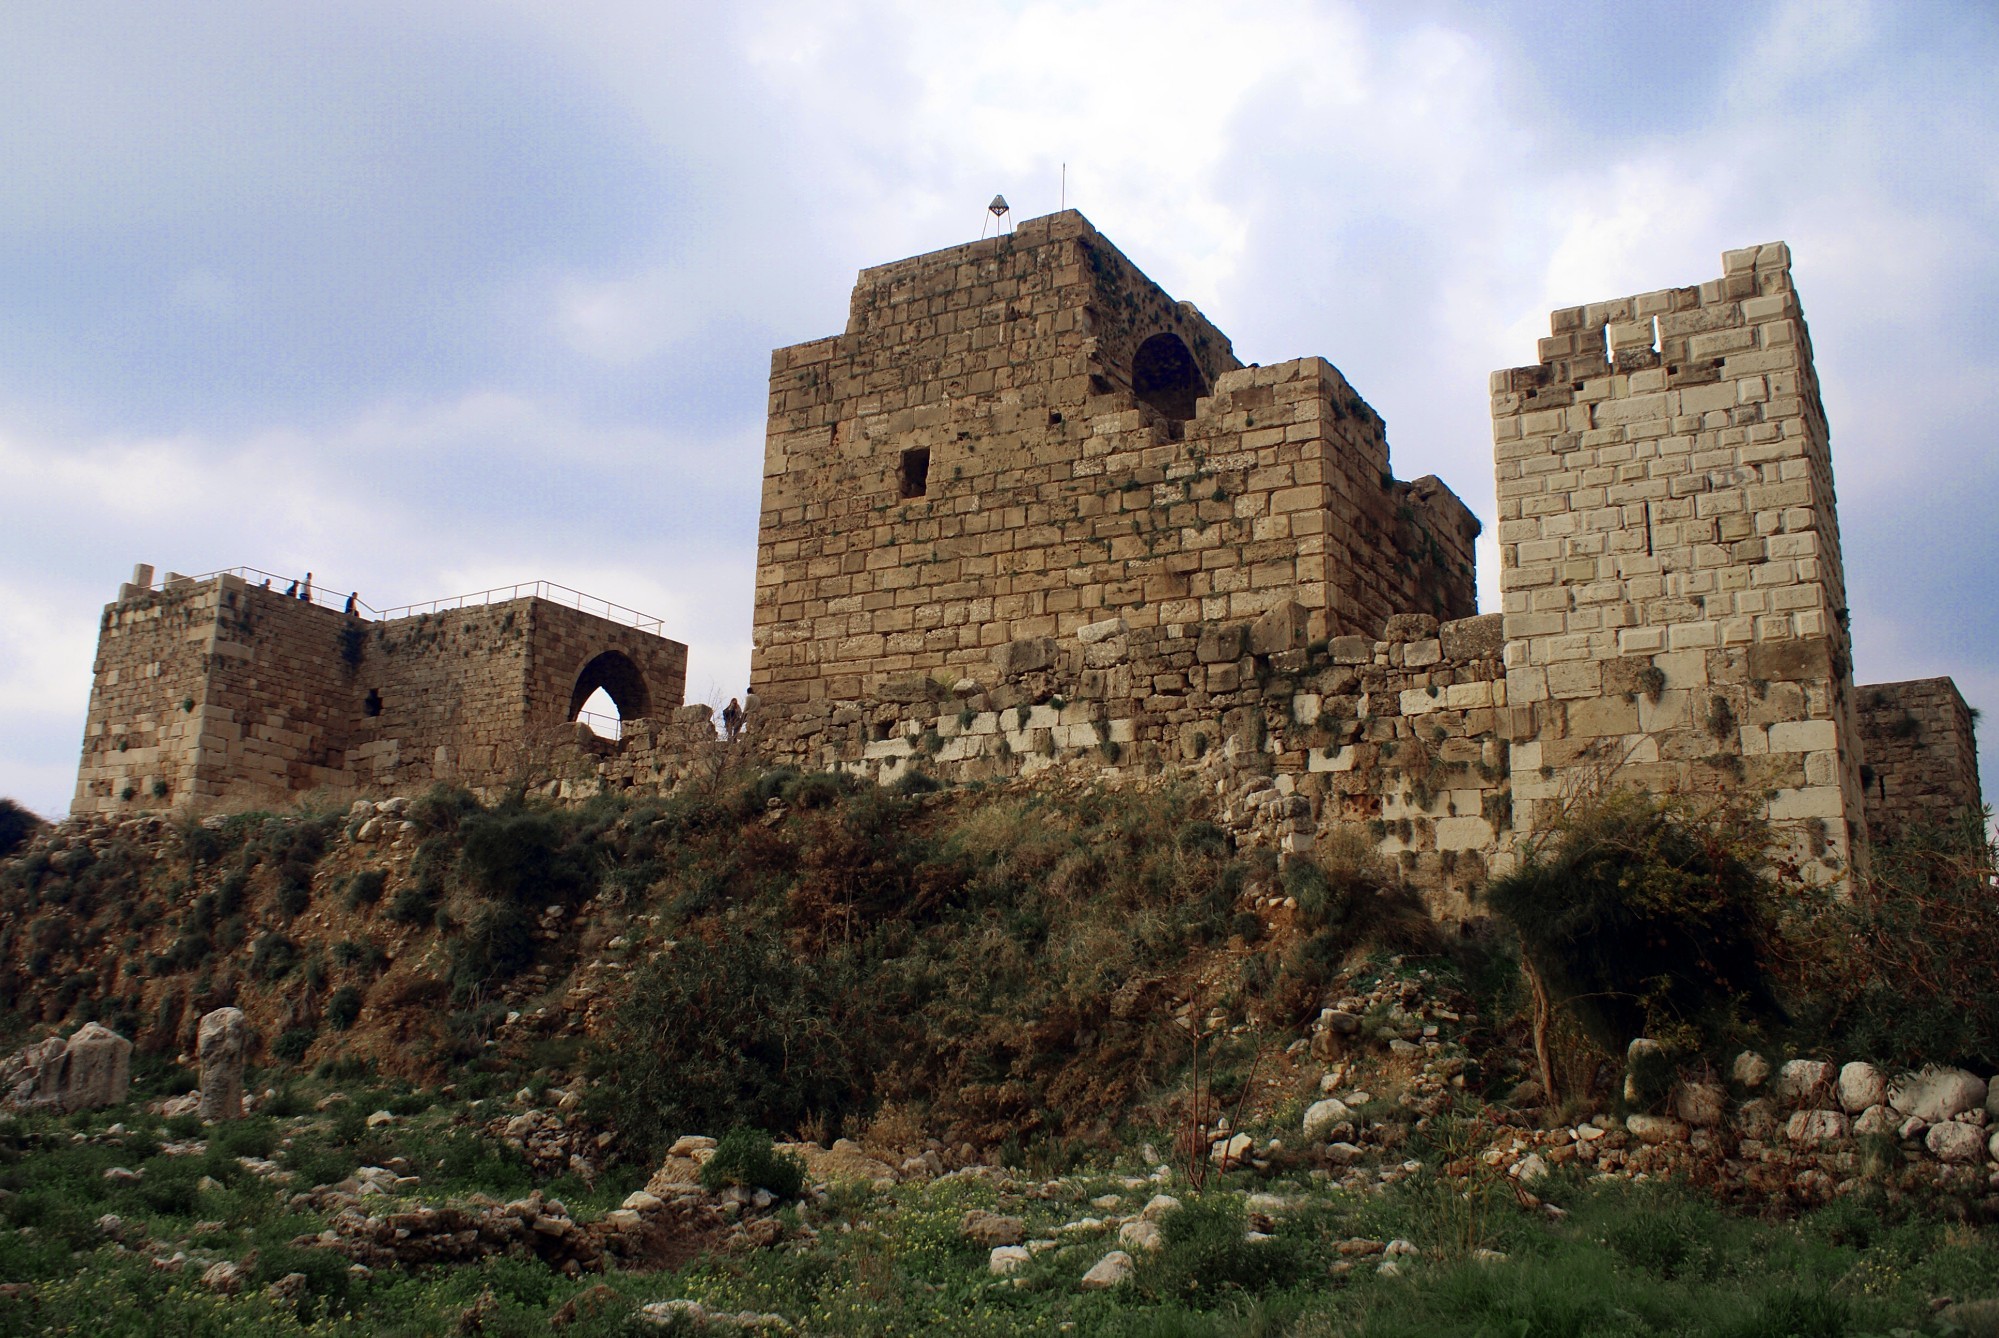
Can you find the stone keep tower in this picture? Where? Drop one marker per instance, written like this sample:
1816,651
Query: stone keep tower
1023,436
1674,599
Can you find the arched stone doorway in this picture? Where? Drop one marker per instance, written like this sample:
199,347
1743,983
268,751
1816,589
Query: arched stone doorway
1165,375
609,683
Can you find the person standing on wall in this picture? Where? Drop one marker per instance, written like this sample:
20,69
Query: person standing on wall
732,720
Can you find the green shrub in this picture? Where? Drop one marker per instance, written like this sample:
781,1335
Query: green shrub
1906,968
365,888
523,856
1649,916
442,808
343,1007
294,895
255,1136
272,956
1205,1262
746,1157
495,946
292,1043
735,1032
413,905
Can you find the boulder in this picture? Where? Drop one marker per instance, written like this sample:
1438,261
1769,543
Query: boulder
1972,1319
1861,1086
1700,1104
1805,1082
1141,1234
222,1041
991,1229
1158,1206
33,1076
1937,1094
97,1069
1654,1130
1750,1069
1109,1271
225,1278
1007,1259
1322,1116
1231,1151
1530,1169
1876,1120
1954,1142
1810,1128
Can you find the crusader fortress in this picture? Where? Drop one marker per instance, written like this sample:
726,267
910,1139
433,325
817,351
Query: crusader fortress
1028,511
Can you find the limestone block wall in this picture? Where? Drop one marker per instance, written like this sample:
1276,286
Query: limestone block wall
277,695
997,450
1920,760
439,696
1673,593
223,691
146,708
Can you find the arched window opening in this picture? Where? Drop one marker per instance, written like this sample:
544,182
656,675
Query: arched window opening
609,691
1165,375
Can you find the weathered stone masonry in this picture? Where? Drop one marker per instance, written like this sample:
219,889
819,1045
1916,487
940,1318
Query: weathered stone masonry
1028,511
1108,575
1022,436
221,690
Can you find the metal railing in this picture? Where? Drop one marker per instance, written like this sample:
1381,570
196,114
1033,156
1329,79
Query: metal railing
604,726
331,598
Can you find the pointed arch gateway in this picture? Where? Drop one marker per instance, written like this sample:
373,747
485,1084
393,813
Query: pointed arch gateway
615,675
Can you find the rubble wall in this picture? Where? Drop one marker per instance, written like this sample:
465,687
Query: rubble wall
1674,599
1920,762
1406,738
1058,487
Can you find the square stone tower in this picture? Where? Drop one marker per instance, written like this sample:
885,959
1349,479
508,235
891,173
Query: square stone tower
1674,598
1022,436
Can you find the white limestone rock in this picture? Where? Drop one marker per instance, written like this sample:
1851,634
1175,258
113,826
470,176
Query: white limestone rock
1860,1087
1110,1271
1937,1094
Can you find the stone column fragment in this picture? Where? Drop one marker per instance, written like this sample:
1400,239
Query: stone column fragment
221,1041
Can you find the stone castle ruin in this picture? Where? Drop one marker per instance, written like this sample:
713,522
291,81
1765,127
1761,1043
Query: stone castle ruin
220,690
1028,511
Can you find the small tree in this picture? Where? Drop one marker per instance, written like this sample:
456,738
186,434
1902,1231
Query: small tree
1906,969
1646,916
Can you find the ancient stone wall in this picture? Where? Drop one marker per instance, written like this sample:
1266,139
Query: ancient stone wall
1408,736
1674,600
222,691
1024,436
1920,760
140,740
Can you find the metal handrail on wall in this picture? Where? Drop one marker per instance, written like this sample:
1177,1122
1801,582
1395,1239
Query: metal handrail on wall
330,598
604,726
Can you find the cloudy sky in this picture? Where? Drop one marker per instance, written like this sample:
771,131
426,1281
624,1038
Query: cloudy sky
427,296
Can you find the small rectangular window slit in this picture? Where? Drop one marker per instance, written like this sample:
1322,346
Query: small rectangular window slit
913,478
